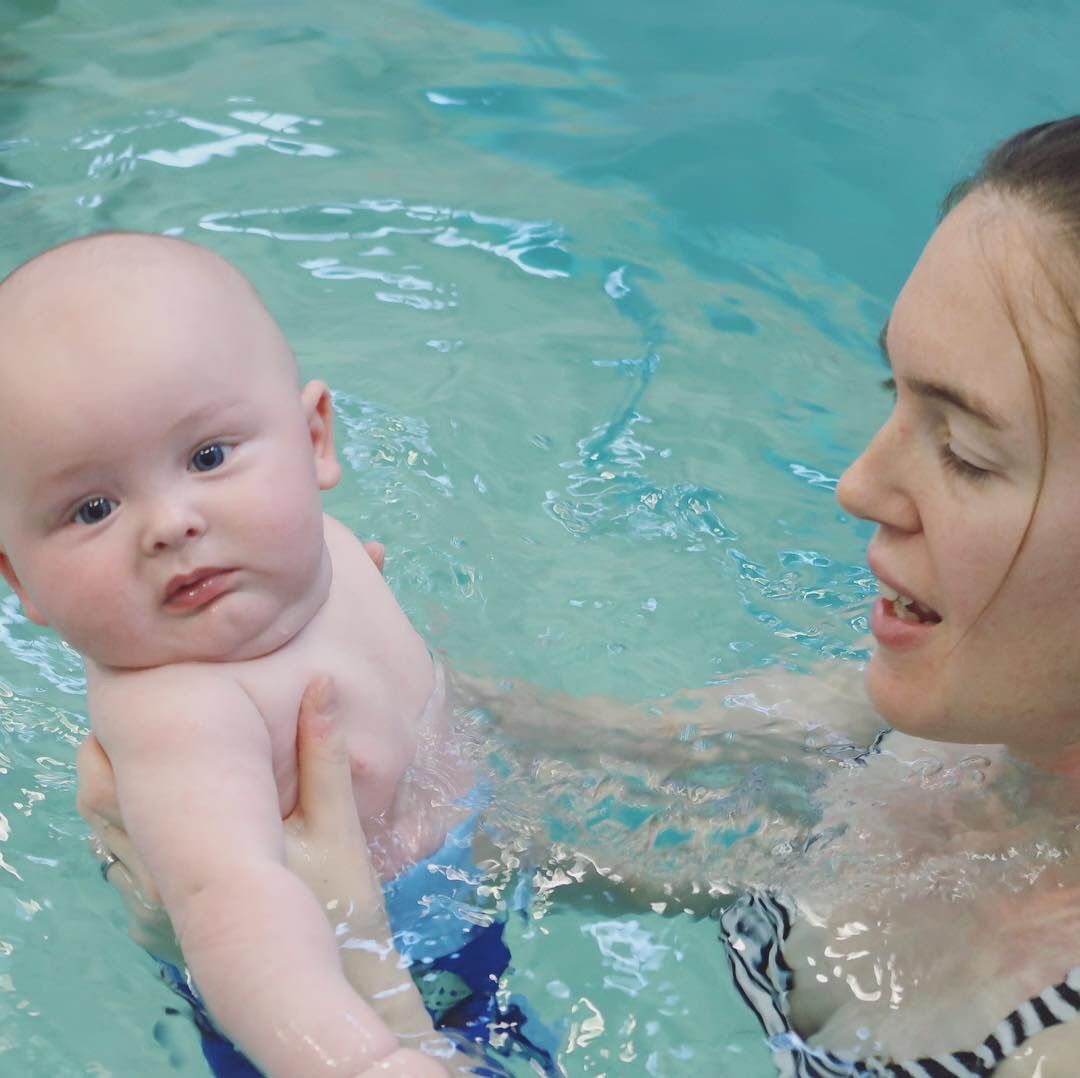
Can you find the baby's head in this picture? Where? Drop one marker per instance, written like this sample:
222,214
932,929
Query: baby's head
160,464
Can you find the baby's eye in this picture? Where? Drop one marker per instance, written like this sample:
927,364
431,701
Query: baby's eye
208,457
94,510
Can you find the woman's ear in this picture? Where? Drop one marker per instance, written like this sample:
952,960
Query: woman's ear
7,570
319,412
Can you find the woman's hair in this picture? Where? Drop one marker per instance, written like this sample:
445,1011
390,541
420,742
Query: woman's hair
1040,165
1039,168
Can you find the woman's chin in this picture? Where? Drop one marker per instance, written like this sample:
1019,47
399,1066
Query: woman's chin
899,699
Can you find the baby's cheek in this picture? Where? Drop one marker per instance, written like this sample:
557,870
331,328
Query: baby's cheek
92,610
298,527
284,539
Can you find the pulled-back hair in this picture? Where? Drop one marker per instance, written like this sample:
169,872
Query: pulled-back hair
1038,168
1040,165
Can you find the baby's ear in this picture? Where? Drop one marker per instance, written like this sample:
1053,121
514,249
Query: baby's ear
29,609
319,411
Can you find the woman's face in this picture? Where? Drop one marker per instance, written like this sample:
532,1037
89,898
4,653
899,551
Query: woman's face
989,652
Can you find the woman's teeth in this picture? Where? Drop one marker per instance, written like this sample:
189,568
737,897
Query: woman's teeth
902,609
906,608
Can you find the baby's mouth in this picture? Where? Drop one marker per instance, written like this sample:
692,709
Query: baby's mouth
906,608
195,590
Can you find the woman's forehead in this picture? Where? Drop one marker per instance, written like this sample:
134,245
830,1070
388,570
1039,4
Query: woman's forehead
990,287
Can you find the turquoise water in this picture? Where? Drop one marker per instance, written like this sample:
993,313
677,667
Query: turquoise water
598,286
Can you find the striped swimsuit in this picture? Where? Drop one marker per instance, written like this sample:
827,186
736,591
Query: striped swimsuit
754,931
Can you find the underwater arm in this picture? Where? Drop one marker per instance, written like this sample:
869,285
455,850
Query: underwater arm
828,704
672,804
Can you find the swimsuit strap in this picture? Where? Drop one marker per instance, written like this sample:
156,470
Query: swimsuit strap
754,931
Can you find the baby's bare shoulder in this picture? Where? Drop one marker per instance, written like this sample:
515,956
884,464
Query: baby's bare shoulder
348,554
339,536
163,702
119,686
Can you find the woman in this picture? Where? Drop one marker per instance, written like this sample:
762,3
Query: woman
946,937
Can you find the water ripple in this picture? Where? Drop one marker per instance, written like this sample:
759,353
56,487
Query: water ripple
386,450
535,247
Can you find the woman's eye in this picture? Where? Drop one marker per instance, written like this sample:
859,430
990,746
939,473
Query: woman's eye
208,457
93,510
956,463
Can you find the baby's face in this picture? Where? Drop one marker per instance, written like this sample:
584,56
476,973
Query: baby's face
159,465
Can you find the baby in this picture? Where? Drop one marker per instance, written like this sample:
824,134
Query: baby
160,509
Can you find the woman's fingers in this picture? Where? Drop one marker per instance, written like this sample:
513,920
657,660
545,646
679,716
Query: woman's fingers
325,805
96,797
121,866
376,552
325,846
325,843
97,804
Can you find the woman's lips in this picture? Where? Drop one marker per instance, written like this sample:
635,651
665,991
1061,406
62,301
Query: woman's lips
192,591
897,619
892,630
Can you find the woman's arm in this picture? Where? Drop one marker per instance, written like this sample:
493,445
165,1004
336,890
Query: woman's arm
672,803
826,705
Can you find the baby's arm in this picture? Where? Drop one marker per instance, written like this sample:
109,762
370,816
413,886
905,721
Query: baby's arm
196,788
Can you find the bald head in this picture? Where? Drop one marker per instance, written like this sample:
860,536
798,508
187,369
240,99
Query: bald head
104,250
90,290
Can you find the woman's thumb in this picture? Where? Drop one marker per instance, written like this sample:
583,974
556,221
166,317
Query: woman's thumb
322,762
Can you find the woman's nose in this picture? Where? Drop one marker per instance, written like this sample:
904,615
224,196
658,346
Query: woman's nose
877,484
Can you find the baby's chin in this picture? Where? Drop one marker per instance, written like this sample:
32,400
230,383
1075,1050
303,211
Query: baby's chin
209,639
152,659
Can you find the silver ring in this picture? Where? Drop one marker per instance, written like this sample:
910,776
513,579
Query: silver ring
107,862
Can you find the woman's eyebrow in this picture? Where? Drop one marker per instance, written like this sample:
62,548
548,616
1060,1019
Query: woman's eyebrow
930,390
882,343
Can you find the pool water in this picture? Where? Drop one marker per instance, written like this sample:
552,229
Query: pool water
598,288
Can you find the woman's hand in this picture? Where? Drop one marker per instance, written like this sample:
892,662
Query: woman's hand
327,849
148,923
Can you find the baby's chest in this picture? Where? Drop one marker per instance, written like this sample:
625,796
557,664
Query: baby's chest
379,735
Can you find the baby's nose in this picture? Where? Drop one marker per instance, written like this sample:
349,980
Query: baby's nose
171,525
